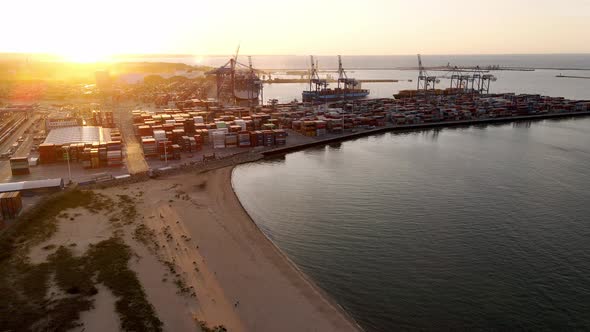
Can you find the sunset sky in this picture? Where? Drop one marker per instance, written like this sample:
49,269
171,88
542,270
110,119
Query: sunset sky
93,29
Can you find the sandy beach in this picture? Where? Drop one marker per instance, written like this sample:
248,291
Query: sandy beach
201,259
244,281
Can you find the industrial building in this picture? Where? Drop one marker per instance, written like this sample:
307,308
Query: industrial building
62,122
78,134
29,188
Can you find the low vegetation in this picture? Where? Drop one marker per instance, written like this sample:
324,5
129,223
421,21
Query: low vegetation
128,209
205,328
40,223
50,296
145,235
109,260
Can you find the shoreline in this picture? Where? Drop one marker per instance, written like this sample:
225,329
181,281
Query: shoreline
242,280
306,305
237,260
322,293
412,127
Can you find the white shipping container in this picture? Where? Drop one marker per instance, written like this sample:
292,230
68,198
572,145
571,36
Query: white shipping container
241,123
213,131
160,135
218,140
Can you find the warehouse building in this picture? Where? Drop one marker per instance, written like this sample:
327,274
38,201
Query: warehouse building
34,187
79,134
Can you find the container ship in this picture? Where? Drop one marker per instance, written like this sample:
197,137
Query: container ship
236,83
247,86
348,88
436,92
463,80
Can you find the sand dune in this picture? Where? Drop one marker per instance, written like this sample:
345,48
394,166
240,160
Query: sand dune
199,257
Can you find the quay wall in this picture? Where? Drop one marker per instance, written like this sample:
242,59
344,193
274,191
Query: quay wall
390,128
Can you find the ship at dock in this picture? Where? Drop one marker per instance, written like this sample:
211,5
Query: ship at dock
237,83
347,89
463,80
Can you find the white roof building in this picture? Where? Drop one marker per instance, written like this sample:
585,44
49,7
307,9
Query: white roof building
79,134
32,185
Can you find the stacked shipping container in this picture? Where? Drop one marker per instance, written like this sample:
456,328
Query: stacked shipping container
19,166
11,204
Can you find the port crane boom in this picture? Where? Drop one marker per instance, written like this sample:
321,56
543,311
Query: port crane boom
425,82
236,81
347,83
314,77
477,82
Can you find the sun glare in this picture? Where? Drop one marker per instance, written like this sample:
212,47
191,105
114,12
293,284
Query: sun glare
82,56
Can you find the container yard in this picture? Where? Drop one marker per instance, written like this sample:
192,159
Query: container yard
38,140
186,134
380,112
84,139
362,117
167,134
92,146
164,134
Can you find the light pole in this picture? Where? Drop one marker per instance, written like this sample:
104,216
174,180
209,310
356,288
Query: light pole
67,155
165,153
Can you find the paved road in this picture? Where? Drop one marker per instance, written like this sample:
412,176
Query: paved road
134,153
22,151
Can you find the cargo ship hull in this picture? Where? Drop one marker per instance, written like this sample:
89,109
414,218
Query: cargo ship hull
252,94
308,96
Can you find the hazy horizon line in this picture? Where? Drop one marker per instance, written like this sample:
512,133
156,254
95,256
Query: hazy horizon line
278,55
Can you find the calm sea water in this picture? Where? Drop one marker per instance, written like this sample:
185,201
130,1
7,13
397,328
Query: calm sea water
479,227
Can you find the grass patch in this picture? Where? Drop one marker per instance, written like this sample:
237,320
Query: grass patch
71,273
144,235
181,285
49,247
109,259
128,209
29,308
34,279
205,327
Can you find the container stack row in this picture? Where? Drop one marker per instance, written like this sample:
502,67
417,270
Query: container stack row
103,119
91,155
472,107
191,131
312,122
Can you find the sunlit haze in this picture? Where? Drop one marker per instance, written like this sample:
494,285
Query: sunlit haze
93,30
